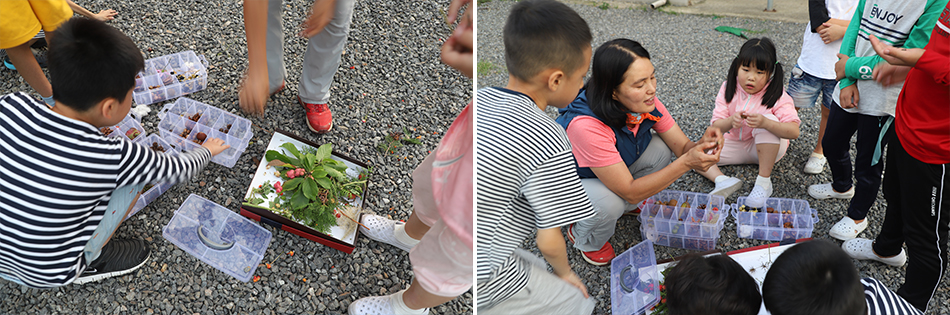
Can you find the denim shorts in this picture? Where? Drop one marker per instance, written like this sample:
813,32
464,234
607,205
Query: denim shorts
804,89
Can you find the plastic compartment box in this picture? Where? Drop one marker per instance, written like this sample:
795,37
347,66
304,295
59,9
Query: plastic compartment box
693,226
178,117
128,128
158,189
792,219
634,280
170,76
218,236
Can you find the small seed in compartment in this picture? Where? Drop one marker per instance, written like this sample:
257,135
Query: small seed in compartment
106,130
132,133
201,136
185,133
157,147
195,117
672,202
701,207
788,225
770,210
685,204
225,129
154,87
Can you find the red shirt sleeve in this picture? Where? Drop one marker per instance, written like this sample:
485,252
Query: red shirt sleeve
592,142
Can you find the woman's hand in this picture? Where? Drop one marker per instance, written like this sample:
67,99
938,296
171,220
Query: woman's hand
713,135
697,158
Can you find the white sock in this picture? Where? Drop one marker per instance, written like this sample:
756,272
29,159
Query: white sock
720,178
402,237
400,308
765,182
817,155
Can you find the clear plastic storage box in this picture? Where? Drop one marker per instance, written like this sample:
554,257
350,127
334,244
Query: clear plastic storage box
152,192
170,76
183,120
634,280
218,236
780,219
692,223
128,128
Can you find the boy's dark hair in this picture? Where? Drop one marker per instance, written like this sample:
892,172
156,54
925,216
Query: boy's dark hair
814,277
711,285
758,52
90,61
611,61
542,34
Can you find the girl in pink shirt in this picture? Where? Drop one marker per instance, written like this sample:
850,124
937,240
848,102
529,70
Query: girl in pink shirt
755,115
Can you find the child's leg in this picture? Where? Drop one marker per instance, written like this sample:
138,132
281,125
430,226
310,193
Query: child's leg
442,268
867,173
120,203
276,72
323,54
545,293
837,145
821,130
769,148
22,57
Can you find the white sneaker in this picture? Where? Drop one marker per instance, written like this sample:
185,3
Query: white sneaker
861,249
815,163
377,305
758,196
383,230
846,229
726,187
825,191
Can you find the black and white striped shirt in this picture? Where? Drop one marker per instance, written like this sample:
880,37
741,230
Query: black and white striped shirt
56,178
526,182
883,301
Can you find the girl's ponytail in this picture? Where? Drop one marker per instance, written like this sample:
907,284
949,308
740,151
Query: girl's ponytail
776,87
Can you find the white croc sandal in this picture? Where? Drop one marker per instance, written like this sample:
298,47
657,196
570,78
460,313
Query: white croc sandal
861,249
846,229
373,305
825,191
382,230
758,196
815,164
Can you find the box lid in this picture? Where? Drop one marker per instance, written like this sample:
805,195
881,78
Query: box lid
218,236
634,280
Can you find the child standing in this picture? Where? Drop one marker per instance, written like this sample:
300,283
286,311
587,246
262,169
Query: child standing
814,74
66,187
525,169
867,107
755,115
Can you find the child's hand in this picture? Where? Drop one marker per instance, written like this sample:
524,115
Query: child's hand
896,56
253,93
849,97
106,15
737,119
839,67
457,49
574,280
757,121
831,32
215,145
887,74
320,16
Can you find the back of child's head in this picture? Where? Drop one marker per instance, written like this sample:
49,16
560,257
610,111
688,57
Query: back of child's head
814,277
758,53
544,34
610,64
711,285
90,61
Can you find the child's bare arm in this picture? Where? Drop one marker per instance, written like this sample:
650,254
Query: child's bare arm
552,246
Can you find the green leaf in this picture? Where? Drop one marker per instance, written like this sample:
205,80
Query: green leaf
292,184
335,173
307,188
292,149
413,140
324,151
319,171
311,161
255,201
337,165
323,182
271,155
315,190
299,201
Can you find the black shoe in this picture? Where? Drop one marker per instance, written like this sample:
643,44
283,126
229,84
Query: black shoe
118,257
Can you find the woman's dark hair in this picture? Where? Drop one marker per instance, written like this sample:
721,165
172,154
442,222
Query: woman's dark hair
611,61
758,52
711,285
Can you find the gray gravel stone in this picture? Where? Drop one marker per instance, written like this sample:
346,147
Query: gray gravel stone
691,60
390,77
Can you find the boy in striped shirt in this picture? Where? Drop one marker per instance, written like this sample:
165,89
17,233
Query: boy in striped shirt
65,187
525,170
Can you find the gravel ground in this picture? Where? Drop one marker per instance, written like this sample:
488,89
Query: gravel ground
390,78
691,60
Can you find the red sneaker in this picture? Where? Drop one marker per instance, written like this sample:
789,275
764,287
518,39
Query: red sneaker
597,258
319,118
